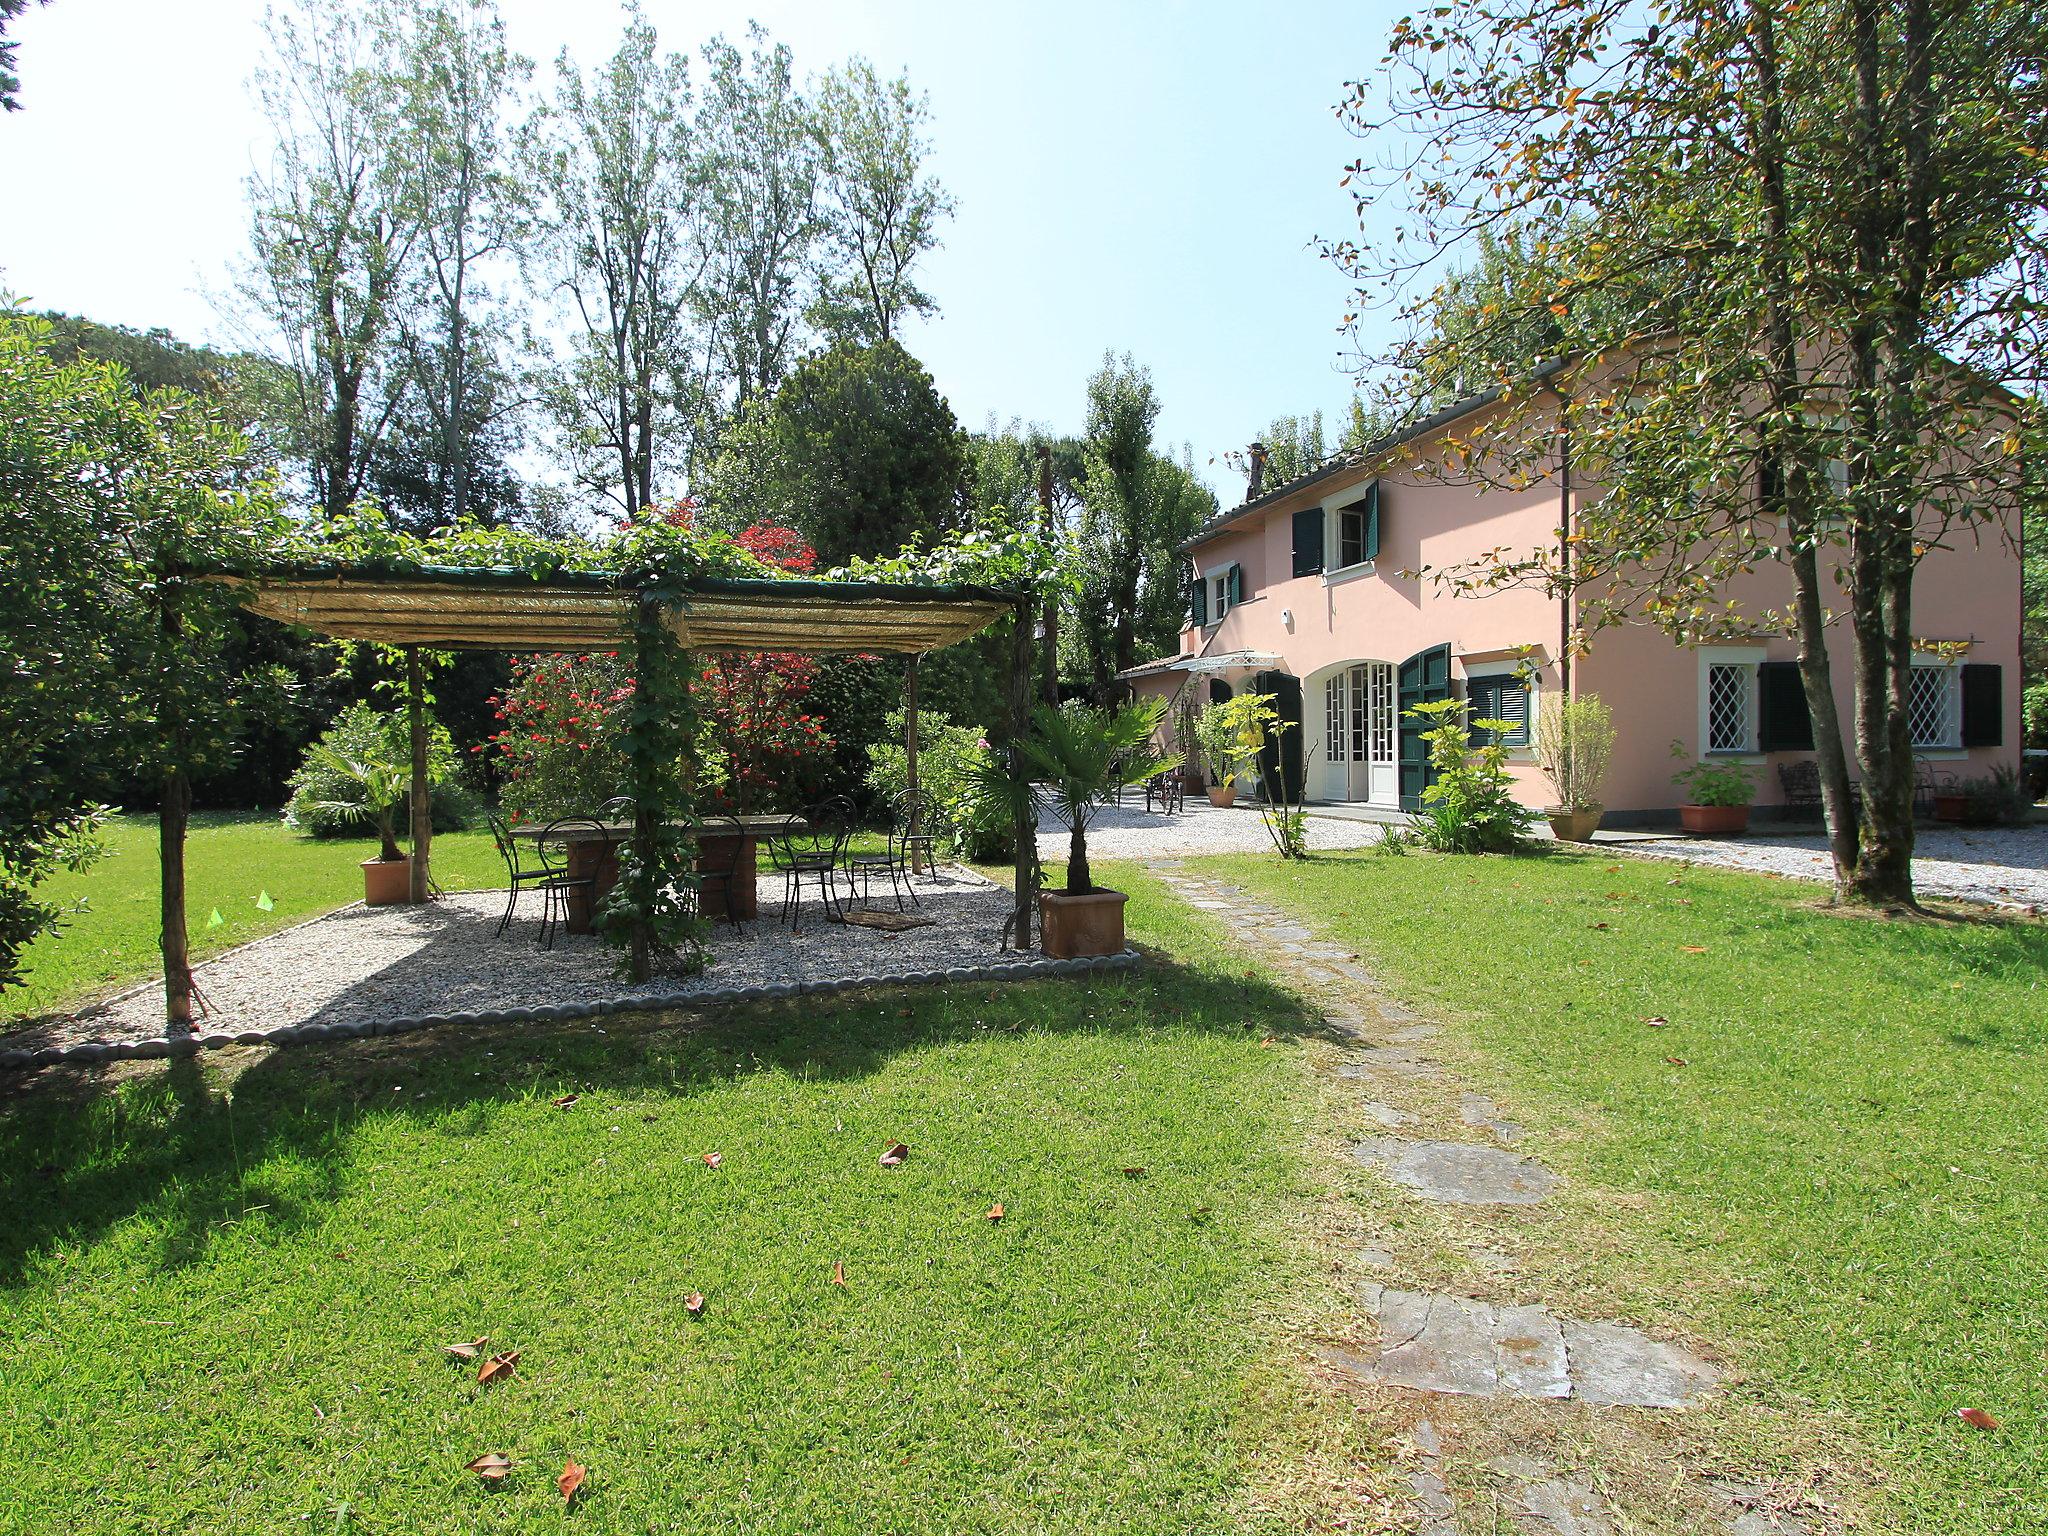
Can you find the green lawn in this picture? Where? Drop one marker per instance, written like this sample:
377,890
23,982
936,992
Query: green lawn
1846,1182
231,860
222,1298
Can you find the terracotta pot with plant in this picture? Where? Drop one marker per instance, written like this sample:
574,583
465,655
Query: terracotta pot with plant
381,783
1574,745
1718,796
1078,757
1228,735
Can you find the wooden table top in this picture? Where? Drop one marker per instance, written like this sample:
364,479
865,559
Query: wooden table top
753,824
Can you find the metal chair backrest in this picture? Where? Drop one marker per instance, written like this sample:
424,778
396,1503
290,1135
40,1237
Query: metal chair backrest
720,859
828,826
508,848
551,834
910,820
618,808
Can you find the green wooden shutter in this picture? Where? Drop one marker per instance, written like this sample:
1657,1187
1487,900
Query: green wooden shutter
1308,542
1783,723
1198,600
1372,521
1983,705
1500,698
1236,585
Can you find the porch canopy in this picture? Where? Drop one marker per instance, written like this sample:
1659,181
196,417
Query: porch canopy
431,607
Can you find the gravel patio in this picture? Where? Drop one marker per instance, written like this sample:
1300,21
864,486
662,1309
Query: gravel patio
363,965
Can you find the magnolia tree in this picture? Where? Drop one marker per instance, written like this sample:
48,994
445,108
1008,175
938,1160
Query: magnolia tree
1786,263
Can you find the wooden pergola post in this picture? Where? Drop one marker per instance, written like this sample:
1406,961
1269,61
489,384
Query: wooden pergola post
422,809
1025,826
645,705
910,751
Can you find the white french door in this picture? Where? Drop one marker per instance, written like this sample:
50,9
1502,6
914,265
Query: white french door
1360,735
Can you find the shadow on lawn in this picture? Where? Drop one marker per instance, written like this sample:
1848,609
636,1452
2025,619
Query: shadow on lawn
83,1150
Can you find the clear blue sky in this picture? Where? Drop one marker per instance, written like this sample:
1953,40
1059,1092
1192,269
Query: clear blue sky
1148,178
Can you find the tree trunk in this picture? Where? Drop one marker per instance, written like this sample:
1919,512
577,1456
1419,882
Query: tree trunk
422,811
173,817
1025,826
1080,880
644,810
910,743
1049,659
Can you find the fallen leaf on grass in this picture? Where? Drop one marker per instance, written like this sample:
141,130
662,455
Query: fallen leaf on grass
839,1272
1977,1418
566,1100
694,1303
893,1158
1657,1021
1134,1173
1614,869
1596,925
1268,1043
573,1473
492,1468
1692,949
496,1366
995,1212
714,1159
1681,901
1674,1061
466,1351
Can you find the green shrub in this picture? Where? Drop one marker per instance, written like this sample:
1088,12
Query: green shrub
1714,783
328,802
964,824
1470,806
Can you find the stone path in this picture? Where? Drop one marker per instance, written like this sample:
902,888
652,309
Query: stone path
1466,1348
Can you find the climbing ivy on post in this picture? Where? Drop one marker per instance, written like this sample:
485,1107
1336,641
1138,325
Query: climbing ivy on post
652,910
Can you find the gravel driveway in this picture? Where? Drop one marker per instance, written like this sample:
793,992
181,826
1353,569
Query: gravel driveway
1126,832
2001,866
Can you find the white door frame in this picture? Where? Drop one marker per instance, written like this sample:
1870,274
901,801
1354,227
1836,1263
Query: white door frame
1354,759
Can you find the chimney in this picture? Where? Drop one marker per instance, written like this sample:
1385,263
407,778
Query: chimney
1257,454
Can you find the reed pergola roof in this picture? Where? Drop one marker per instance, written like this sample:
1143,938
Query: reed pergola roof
473,608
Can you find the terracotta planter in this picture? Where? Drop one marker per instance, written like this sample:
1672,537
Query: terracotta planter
1714,820
387,882
1951,807
1223,794
1572,826
1087,924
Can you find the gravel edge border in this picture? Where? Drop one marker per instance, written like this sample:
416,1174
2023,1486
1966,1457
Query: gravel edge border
94,1052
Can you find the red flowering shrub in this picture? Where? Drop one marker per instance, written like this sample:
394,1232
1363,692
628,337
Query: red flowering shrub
560,750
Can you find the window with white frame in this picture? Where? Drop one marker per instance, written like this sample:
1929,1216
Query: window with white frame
1728,700
1226,590
1934,712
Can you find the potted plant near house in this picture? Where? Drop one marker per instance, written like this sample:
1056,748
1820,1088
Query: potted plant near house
1228,736
1574,745
1718,796
375,781
1078,757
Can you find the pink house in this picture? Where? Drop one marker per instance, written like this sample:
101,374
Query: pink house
1300,592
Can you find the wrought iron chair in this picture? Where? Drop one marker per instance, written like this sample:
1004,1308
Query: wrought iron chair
815,850
717,870
908,843
518,873
618,808
559,883
1168,790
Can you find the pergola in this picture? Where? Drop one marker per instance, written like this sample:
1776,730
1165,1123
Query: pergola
419,608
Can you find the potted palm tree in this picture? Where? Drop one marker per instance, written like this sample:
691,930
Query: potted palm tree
1574,745
379,784
1078,757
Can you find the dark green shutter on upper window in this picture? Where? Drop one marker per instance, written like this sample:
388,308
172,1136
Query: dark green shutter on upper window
1372,521
1783,723
1983,705
1236,585
1198,601
1308,542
